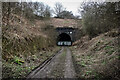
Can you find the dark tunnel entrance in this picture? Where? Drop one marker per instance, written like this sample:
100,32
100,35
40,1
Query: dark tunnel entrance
64,40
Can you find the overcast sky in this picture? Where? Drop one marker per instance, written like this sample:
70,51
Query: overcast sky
69,5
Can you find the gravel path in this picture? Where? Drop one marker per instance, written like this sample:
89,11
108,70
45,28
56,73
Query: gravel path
60,66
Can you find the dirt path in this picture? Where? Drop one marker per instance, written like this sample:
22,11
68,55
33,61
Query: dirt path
60,66
69,68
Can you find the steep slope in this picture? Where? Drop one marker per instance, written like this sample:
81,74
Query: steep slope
24,46
21,27
98,58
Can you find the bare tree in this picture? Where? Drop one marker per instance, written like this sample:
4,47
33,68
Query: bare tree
42,10
39,8
48,11
98,17
58,8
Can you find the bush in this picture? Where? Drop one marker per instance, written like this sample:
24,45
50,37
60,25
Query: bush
99,18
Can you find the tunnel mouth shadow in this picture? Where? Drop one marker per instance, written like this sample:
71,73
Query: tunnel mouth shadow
64,40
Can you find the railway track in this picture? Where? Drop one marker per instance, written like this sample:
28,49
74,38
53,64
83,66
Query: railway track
59,65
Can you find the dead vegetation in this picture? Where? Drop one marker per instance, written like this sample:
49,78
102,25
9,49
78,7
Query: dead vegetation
24,46
98,58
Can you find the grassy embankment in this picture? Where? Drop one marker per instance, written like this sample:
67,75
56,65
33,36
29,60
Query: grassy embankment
24,46
98,58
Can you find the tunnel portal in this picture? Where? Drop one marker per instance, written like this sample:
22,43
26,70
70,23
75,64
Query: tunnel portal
64,40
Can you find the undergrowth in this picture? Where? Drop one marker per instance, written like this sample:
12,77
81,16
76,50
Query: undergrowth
20,56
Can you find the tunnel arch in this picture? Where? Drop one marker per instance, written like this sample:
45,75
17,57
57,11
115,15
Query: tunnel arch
63,37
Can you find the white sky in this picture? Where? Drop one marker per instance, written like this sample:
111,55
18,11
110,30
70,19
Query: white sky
69,5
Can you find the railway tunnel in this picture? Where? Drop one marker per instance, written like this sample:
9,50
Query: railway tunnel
64,36
64,40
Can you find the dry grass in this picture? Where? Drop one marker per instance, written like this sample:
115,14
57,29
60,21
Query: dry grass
15,69
24,46
98,58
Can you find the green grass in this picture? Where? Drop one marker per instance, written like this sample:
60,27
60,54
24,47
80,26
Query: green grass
109,50
18,60
83,64
104,62
108,47
88,72
118,57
